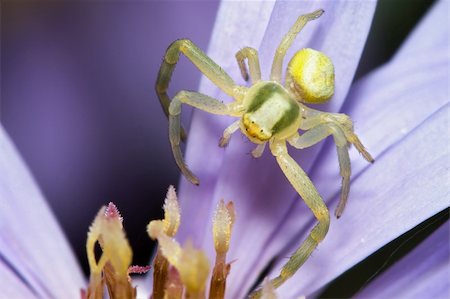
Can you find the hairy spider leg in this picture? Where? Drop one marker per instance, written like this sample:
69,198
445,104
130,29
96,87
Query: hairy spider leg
315,135
315,117
202,102
286,42
318,126
253,64
303,185
205,64
251,55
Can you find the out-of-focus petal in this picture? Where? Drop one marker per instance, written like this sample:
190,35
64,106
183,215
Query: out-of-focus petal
31,241
423,273
391,106
258,187
12,285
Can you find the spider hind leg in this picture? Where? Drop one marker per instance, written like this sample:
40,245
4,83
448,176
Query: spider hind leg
318,133
305,188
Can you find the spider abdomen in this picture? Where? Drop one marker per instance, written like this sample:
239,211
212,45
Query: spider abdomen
270,111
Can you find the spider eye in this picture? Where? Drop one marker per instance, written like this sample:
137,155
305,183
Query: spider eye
310,76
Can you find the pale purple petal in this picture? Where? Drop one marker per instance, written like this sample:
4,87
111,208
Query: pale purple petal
11,284
340,33
408,184
423,273
258,188
385,115
400,103
391,101
261,191
31,242
235,23
430,34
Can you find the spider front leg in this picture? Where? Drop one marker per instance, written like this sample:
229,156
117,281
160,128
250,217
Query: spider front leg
225,139
202,102
205,64
305,188
253,64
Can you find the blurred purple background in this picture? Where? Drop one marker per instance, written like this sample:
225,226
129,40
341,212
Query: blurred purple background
78,100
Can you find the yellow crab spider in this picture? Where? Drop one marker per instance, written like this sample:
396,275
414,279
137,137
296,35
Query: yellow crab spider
271,113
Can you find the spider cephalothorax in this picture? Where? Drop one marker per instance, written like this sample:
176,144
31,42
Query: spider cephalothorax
271,113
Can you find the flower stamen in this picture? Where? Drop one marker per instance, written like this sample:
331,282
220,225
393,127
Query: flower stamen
191,264
112,266
174,287
222,225
169,225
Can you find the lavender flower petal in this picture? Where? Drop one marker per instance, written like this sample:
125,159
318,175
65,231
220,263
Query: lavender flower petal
31,242
235,23
12,285
408,184
414,86
258,188
379,113
423,273
430,34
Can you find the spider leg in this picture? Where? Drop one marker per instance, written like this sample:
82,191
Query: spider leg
202,102
314,117
259,150
205,64
303,185
227,133
253,64
287,41
318,133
